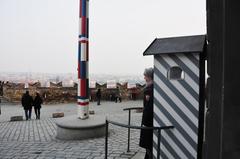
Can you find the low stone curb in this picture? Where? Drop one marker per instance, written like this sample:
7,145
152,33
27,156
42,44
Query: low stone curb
16,118
58,115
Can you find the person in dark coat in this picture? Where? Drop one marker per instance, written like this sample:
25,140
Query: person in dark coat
27,102
118,96
0,107
98,95
146,136
1,88
37,105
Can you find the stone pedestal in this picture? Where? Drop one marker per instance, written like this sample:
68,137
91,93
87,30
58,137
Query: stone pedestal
73,128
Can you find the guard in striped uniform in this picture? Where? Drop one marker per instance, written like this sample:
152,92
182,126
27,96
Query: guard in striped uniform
146,136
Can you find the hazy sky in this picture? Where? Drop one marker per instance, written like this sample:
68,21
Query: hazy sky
42,35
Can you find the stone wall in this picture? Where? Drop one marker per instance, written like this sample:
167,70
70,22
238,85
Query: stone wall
50,95
58,94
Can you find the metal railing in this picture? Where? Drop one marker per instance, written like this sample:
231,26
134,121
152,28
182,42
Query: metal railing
129,122
159,129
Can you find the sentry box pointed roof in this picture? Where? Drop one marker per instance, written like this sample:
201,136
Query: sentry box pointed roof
184,44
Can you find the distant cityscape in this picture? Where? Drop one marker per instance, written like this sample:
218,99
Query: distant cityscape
66,78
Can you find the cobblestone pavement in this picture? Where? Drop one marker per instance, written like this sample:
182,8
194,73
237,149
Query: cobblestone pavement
36,138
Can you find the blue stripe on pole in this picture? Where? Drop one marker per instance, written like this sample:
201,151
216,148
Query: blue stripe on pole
84,8
83,36
83,69
83,98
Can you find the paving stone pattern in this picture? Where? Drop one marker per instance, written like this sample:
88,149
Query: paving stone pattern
36,139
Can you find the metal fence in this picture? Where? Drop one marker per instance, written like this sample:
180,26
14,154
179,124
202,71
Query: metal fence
158,129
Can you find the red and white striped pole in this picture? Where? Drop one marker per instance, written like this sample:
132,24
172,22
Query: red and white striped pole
83,79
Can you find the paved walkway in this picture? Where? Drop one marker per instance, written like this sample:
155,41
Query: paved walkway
36,138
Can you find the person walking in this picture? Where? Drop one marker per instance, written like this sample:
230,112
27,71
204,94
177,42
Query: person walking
37,105
98,95
27,102
0,107
1,88
146,136
118,96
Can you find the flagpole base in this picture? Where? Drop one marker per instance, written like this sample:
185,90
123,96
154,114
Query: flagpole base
73,128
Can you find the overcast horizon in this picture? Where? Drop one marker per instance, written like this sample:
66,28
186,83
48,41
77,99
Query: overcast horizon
42,36
75,73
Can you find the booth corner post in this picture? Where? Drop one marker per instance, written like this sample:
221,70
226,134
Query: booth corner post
83,54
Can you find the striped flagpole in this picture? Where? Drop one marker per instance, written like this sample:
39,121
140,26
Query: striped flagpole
83,81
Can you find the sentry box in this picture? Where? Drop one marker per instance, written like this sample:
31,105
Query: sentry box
179,80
